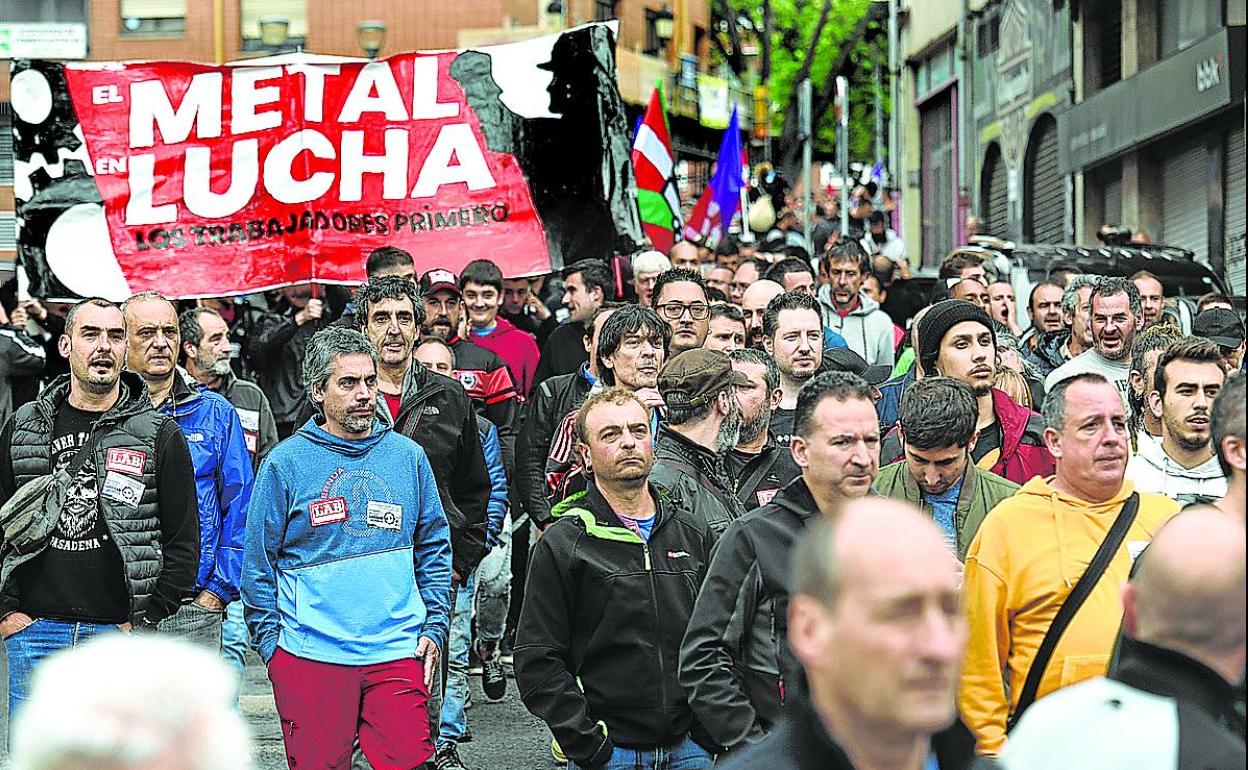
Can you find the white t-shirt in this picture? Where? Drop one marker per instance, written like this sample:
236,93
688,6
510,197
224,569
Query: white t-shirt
1090,361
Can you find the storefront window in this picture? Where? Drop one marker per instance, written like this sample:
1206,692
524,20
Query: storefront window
1183,22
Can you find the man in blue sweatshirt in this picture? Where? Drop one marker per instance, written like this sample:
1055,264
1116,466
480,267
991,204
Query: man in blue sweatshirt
347,572
223,474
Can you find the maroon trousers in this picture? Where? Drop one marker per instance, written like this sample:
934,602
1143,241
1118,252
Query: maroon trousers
324,706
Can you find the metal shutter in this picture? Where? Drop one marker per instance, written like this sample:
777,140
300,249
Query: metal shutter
6,143
1185,200
1236,201
1112,202
8,231
939,180
994,194
1044,197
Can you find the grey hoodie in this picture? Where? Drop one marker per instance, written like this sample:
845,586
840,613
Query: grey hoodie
1152,470
867,330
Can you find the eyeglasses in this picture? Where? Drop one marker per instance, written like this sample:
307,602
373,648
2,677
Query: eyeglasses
672,311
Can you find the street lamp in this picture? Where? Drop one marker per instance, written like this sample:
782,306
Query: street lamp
274,31
371,35
664,25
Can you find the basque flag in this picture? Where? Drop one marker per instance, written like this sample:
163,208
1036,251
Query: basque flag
654,165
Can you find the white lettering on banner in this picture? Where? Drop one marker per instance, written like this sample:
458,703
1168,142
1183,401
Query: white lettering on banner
314,88
374,76
245,97
374,90
197,189
200,108
456,156
139,209
279,180
455,141
425,104
392,165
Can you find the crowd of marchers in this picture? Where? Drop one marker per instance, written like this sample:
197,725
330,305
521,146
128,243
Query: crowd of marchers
737,507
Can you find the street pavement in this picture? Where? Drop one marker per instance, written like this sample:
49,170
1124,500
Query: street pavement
505,735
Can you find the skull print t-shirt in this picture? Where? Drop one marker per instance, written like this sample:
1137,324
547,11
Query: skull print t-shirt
79,576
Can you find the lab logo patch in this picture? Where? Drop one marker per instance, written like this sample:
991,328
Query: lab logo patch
467,379
328,511
677,554
129,461
765,495
385,515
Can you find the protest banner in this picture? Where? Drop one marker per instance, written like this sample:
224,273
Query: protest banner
196,180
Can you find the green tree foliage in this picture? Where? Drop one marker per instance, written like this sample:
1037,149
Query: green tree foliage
817,39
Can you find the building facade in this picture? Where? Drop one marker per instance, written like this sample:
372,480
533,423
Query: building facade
1044,119
1021,58
1155,142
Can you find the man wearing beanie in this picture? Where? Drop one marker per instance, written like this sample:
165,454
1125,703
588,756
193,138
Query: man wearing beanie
956,340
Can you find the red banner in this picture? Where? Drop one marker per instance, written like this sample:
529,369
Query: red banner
223,180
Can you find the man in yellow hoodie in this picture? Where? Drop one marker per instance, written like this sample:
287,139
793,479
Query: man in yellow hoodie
1032,549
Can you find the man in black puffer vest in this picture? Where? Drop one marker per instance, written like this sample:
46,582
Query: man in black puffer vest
126,547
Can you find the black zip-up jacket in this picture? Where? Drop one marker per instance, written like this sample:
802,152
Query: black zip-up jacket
600,630
802,742
760,477
1044,351
275,352
551,402
1172,674
436,413
708,490
563,353
736,648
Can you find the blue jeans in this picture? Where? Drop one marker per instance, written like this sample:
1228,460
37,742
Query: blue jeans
29,647
234,639
493,595
683,755
454,719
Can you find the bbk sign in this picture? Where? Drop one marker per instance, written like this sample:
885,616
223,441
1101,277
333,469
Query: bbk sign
1208,73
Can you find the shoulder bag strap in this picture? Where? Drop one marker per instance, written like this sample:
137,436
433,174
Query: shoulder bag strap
706,481
746,487
1091,576
84,453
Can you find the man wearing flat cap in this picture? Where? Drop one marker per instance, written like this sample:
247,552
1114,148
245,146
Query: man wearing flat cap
703,423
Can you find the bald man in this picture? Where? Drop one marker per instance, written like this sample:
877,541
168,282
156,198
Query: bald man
685,254
753,304
1171,697
877,624
223,471
1184,618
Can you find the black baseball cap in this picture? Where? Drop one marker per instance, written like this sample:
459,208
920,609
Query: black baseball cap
1219,325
